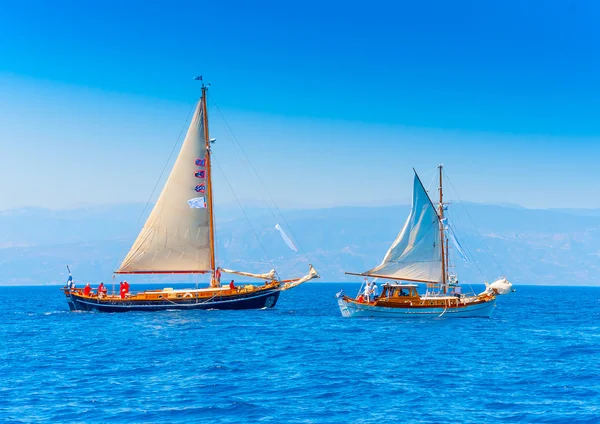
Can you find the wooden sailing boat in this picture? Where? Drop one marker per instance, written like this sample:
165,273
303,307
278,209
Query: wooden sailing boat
419,255
179,238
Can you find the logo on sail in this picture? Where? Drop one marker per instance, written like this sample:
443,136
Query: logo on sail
200,188
201,162
200,174
197,203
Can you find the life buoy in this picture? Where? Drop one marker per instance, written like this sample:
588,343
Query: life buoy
187,295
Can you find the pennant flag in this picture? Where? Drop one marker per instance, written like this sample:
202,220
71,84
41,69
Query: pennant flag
201,188
285,238
201,162
200,174
197,203
452,237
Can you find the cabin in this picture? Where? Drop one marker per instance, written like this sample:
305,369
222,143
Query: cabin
399,291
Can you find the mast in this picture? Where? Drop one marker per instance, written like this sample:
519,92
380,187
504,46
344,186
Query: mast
209,196
444,263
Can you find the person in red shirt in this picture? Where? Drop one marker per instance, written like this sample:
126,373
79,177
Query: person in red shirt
102,290
87,289
124,289
231,285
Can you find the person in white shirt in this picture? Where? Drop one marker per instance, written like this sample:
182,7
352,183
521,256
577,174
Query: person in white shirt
374,291
367,290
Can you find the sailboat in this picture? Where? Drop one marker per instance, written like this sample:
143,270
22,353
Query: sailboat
420,256
179,238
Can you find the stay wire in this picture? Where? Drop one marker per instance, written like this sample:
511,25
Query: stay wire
246,168
244,212
451,218
466,246
431,183
260,180
185,125
469,255
475,226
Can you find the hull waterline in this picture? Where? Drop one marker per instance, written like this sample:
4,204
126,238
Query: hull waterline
351,309
260,300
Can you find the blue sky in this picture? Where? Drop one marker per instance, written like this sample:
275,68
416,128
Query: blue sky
333,102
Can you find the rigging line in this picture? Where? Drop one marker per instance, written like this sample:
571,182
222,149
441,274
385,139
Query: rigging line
472,257
430,184
473,222
430,170
230,136
168,160
452,217
260,180
244,212
246,168
241,149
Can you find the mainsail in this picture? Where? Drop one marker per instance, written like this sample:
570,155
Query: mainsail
176,236
415,255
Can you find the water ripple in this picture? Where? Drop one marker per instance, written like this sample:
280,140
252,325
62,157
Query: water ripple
300,362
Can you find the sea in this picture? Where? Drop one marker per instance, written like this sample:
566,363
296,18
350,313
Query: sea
537,359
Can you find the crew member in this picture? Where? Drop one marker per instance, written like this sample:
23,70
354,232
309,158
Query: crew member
102,290
124,289
367,290
231,285
374,291
87,289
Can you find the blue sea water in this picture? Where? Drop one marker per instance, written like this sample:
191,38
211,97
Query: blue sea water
536,360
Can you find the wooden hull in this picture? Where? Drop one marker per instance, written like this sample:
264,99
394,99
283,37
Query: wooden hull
251,300
480,309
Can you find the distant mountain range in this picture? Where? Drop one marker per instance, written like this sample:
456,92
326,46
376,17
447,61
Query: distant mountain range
549,247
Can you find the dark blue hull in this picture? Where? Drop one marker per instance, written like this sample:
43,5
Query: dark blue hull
262,299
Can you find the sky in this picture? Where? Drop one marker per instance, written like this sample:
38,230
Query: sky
334,103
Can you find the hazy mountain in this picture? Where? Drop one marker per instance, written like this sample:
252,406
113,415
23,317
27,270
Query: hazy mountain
530,246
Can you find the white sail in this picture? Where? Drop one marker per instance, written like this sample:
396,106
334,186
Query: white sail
176,236
415,254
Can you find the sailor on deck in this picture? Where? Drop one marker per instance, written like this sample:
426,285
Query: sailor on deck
124,289
102,290
87,289
374,290
367,290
